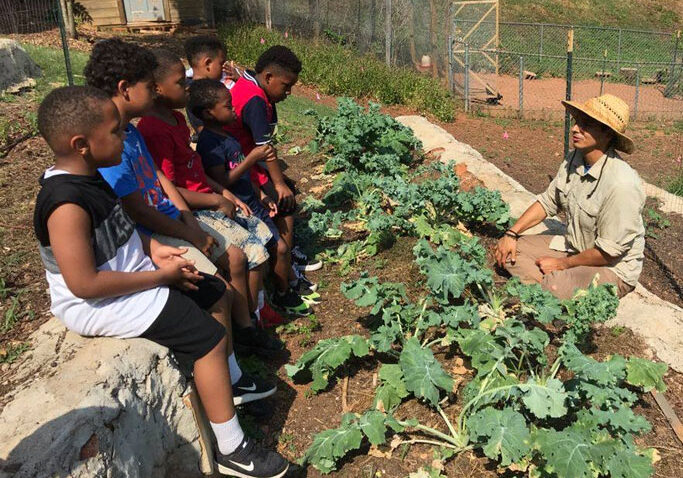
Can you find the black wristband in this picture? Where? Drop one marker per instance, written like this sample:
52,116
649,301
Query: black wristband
512,234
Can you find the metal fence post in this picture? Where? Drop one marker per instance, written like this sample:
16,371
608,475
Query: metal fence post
65,47
387,33
540,47
451,86
602,73
467,77
568,94
619,51
521,86
635,101
672,72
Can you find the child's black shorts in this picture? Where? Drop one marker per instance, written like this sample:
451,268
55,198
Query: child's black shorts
184,326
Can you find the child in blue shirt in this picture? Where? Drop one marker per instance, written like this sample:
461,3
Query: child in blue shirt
224,162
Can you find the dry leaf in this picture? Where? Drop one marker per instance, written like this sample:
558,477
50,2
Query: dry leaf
459,367
376,452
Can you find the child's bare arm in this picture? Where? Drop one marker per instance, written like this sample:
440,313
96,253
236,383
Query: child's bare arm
171,191
227,194
69,227
213,201
260,153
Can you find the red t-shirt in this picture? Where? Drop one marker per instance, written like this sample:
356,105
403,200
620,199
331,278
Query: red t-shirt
170,148
256,119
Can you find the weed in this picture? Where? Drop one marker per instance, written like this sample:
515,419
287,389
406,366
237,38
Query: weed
12,351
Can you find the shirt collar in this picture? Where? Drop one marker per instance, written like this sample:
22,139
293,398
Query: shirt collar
251,76
595,170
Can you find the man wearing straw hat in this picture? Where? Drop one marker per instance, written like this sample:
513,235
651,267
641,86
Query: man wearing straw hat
602,198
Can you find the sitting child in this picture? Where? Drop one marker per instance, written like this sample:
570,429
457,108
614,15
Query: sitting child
223,161
103,283
145,192
168,139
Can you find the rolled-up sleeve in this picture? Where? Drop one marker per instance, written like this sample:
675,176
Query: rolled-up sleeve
548,199
619,220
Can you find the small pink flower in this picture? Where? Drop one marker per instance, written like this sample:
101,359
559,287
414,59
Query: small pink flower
286,35
317,97
263,41
678,160
505,135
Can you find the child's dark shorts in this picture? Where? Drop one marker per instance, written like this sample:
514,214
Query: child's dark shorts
185,327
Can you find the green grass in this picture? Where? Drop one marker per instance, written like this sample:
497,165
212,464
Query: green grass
51,62
651,15
675,186
337,70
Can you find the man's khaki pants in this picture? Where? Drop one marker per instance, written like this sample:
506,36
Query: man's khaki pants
561,284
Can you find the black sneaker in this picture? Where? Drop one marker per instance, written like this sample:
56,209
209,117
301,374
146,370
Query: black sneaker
291,304
301,277
301,261
309,296
249,460
256,340
249,388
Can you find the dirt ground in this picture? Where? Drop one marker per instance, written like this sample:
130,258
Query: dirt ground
542,96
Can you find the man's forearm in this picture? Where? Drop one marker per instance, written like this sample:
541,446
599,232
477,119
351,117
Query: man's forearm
532,216
590,257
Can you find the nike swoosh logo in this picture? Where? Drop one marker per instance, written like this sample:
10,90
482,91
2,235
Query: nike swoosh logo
249,389
249,467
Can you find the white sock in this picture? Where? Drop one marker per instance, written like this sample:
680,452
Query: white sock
257,313
228,435
261,299
235,370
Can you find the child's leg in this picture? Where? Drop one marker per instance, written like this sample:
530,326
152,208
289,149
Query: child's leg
285,226
282,264
234,261
256,285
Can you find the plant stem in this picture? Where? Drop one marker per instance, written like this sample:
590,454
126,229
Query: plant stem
431,431
435,443
448,422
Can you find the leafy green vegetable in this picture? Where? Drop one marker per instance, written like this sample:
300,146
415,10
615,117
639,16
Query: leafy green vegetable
507,436
646,374
423,373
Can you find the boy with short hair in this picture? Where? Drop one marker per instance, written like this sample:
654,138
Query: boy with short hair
102,283
168,139
224,162
143,190
254,97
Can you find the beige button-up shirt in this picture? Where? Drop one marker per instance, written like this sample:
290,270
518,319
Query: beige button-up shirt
604,207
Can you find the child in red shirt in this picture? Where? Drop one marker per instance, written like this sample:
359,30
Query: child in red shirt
168,140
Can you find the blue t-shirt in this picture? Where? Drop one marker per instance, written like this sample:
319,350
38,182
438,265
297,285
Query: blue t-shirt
217,150
137,173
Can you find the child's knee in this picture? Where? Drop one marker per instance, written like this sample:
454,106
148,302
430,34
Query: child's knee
282,248
237,258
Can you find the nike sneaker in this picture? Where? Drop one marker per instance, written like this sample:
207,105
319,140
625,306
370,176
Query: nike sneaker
249,388
250,460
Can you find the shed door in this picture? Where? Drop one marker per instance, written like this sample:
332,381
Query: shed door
144,10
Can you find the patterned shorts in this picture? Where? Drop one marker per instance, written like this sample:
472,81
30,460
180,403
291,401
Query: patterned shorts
247,233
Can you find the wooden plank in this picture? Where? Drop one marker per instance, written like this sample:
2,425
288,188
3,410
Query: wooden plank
479,22
191,401
669,413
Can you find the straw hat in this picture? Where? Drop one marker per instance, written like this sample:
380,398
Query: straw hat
610,111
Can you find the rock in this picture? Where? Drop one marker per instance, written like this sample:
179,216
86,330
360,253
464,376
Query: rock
110,407
17,69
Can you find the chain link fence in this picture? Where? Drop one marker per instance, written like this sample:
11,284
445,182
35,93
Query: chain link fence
527,73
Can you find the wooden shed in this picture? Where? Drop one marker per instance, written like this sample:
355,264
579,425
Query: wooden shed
149,13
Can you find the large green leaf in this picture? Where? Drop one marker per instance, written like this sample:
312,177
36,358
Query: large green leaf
326,357
628,464
392,389
646,374
504,432
423,373
331,445
545,400
568,453
481,347
610,371
373,426
535,301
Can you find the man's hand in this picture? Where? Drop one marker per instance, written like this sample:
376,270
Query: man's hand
285,197
550,264
201,240
506,249
226,207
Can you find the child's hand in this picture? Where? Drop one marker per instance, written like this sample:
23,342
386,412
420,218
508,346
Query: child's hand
201,240
286,200
244,207
180,273
226,207
162,255
230,71
269,204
